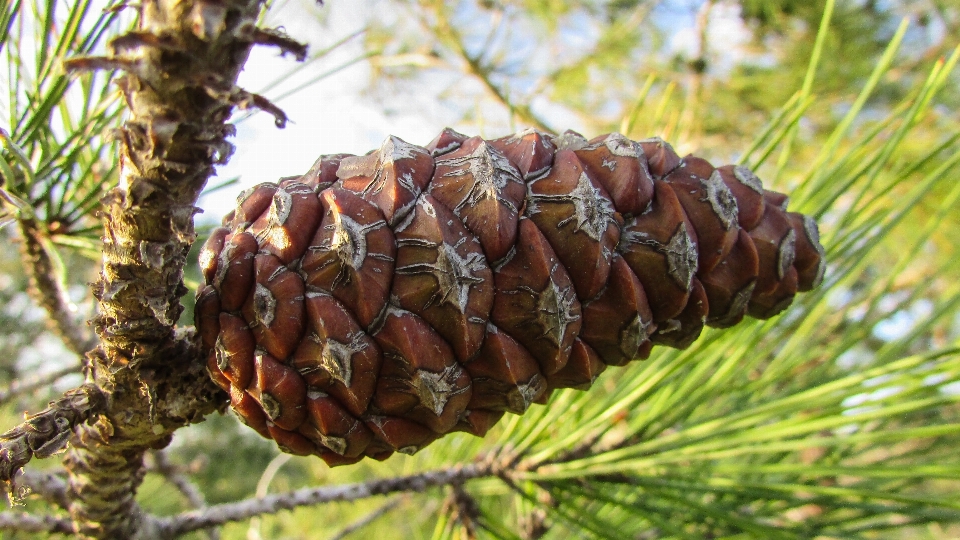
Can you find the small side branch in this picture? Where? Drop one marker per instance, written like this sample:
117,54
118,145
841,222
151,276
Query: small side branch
276,38
224,513
48,291
46,433
174,474
465,510
27,385
248,100
50,486
22,521
161,465
367,519
473,66
99,63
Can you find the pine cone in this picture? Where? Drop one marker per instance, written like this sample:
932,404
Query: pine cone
380,301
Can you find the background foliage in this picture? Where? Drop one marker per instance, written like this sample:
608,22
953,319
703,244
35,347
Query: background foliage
839,419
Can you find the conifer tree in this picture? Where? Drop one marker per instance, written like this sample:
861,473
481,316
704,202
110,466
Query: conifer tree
836,418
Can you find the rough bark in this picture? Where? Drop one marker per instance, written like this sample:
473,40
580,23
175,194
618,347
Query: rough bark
179,83
46,433
48,292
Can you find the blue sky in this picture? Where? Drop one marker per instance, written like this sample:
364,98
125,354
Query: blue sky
338,115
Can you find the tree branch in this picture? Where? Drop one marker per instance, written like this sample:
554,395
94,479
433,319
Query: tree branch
105,460
46,433
24,522
47,291
48,485
25,386
180,68
473,66
697,68
174,474
367,519
465,511
224,513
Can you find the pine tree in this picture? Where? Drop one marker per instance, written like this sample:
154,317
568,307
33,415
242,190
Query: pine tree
824,421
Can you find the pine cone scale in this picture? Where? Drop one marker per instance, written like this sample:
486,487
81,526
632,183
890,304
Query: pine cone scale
618,321
484,190
710,207
352,255
620,167
530,151
443,276
577,217
535,302
659,249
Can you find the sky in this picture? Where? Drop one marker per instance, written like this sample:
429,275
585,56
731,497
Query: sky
332,116
338,115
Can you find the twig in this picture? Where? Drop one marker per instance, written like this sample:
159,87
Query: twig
47,291
174,474
48,485
465,510
475,67
218,88
698,68
276,38
367,519
25,386
263,485
46,433
24,522
224,513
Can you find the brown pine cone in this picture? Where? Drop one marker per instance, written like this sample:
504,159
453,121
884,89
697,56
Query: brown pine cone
378,302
